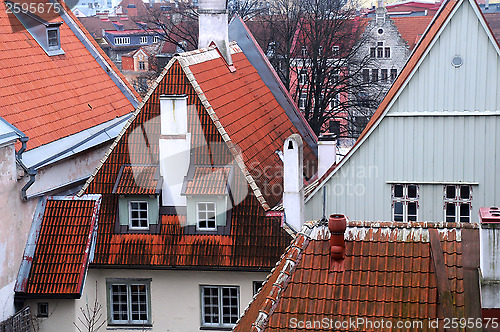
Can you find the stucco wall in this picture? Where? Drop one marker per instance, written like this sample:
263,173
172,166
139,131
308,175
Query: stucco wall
175,298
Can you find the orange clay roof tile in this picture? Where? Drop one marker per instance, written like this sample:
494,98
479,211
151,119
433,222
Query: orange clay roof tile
388,274
46,84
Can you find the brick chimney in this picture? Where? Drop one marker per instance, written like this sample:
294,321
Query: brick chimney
213,26
293,181
337,225
174,149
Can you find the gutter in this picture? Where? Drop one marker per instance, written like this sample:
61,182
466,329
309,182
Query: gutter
30,171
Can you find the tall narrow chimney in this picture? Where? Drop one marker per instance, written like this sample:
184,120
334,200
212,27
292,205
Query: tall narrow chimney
174,148
213,26
327,153
293,180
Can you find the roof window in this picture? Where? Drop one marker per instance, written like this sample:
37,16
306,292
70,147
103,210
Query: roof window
46,34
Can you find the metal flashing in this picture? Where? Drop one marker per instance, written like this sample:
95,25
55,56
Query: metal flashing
71,145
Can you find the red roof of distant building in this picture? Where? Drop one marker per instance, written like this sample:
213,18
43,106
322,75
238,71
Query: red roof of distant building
62,238
391,271
412,28
51,97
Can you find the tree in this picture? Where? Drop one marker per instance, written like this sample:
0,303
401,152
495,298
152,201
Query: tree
315,47
93,318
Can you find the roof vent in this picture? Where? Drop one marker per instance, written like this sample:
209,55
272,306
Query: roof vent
489,215
337,226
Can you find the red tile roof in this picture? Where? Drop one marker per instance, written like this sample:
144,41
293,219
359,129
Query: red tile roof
412,28
389,273
208,181
137,180
237,112
48,97
62,238
493,20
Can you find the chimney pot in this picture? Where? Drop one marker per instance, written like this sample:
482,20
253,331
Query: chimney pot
337,225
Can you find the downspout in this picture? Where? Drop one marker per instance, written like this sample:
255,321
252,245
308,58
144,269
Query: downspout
30,171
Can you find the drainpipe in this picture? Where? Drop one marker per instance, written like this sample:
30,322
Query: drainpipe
30,171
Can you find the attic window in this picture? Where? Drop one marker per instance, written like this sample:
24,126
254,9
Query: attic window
53,38
206,216
45,33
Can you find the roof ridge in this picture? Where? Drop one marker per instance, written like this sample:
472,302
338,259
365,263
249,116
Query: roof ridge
290,259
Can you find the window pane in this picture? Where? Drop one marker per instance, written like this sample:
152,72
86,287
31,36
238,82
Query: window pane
464,192
229,305
138,302
450,192
398,190
450,212
398,211
210,305
465,212
412,211
119,302
412,191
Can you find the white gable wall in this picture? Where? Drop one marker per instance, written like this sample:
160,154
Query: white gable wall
443,127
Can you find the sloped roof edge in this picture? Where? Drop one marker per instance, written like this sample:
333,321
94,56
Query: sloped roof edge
29,252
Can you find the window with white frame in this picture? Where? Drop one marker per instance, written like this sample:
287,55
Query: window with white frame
404,202
219,306
303,77
304,51
138,214
122,40
144,40
335,50
129,302
142,65
156,39
303,101
457,203
206,212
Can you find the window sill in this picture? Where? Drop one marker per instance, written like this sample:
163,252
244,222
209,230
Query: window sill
128,327
215,328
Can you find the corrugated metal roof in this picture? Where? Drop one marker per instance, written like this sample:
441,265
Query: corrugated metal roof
59,247
389,274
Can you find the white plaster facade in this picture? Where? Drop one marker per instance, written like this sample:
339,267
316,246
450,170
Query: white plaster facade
175,298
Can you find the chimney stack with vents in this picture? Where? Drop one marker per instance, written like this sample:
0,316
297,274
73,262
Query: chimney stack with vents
213,26
337,226
293,180
327,152
489,239
174,148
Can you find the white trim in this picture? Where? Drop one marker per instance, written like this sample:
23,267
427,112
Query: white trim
139,219
206,219
434,182
444,113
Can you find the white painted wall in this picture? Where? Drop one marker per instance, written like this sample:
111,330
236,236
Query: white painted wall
175,298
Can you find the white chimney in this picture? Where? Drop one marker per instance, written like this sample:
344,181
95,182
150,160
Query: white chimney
213,26
174,148
327,153
293,180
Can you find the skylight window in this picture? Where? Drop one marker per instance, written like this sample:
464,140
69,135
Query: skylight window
53,38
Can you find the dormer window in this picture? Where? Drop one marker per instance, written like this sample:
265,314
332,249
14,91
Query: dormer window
45,33
53,38
138,214
208,200
206,212
138,189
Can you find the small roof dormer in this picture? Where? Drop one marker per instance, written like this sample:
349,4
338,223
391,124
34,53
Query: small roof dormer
45,33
